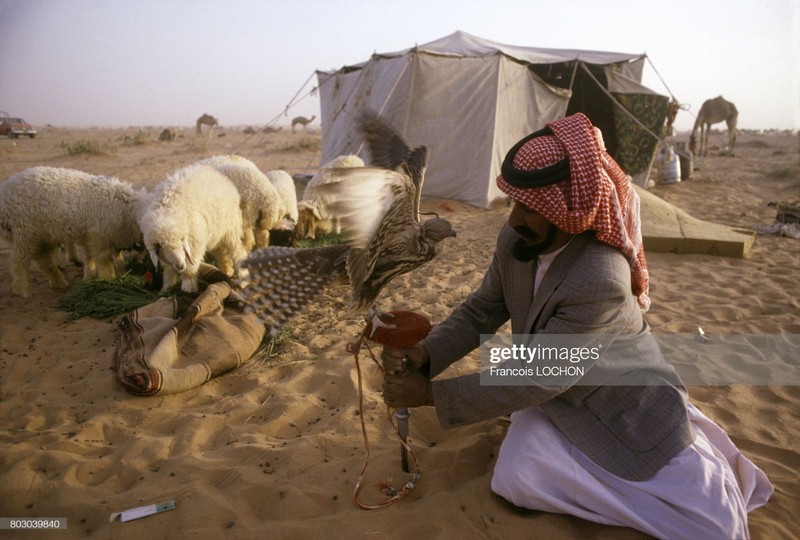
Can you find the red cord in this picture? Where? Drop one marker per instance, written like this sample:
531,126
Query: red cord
417,472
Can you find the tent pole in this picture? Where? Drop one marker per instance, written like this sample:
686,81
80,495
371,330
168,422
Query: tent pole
394,86
574,74
660,78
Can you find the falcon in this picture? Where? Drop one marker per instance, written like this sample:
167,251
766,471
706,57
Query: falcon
379,210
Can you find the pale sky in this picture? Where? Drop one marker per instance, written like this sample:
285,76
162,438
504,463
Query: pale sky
165,62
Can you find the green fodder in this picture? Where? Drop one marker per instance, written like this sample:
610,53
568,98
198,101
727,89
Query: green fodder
273,346
323,241
91,148
102,298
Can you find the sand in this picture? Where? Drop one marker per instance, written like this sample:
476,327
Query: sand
273,449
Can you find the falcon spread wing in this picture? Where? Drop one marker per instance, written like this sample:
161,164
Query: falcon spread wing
389,151
379,210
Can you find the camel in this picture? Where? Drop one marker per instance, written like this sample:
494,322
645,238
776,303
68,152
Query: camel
672,112
207,120
714,111
169,134
302,120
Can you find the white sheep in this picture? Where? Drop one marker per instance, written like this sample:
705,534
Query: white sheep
45,208
314,210
287,190
193,212
261,204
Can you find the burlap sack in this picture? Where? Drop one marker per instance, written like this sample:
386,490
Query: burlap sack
175,344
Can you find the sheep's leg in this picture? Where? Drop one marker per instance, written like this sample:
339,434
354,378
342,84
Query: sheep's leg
260,237
90,267
226,257
79,256
45,259
106,267
20,278
189,283
224,262
119,262
170,278
239,253
249,239
259,231
72,255
104,260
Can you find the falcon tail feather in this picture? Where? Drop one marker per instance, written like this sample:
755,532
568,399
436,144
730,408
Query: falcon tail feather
281,281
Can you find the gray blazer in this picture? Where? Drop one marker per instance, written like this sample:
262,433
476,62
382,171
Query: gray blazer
634,423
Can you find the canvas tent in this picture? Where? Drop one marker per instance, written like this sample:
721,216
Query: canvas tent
470,99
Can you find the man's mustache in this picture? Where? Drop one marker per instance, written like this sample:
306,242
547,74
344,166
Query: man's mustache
526,232
531,244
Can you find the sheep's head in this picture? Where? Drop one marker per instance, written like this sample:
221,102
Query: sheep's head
287,223
179,258
307,218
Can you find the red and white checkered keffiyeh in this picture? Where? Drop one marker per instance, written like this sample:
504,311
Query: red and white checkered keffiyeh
598,195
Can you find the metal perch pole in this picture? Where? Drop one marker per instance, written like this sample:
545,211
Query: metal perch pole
402,415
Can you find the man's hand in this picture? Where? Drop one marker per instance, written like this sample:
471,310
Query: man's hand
415,357
408,389
403,385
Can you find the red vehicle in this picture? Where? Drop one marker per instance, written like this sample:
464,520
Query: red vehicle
15,127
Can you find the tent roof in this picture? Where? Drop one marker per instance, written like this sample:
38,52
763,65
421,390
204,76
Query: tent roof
470,99
462,44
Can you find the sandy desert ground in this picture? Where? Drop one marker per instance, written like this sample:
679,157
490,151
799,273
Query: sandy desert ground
273,449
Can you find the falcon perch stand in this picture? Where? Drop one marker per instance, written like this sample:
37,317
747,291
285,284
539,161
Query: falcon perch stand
408,328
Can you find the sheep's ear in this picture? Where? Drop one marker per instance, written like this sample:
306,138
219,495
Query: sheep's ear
188,251
153,257
315,211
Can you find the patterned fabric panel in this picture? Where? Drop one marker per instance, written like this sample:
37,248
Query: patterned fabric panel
635,146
